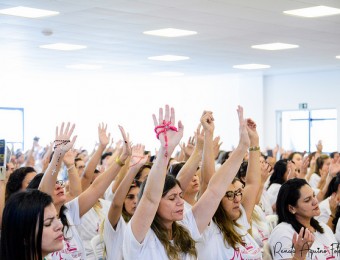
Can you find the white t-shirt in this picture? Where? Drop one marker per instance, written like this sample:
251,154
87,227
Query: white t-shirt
113,239
90,227
213,247
314,180
281,245
325,211
73,245
265,203
260,227
273,191
108,195
337,232
151,247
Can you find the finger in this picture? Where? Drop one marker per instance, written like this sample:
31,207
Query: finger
67,128
172,118
71,130
160,116
154,118
61,128
167,113
240,113
56,132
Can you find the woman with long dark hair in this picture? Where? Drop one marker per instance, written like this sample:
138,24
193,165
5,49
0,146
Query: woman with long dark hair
30,227
298,234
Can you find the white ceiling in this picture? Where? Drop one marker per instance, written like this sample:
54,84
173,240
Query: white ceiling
112,30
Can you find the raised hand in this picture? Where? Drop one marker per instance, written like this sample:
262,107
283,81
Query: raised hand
302,242
62,138
252,132
126,145
244,137
69,157
207,121
103,137
199,136
216,146
165,128
138,158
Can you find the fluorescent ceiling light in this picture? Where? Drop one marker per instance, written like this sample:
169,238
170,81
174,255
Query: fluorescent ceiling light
63,46
84,66
251,66
169,58
168,74
316,11
28,12
275,46
338,57
170,32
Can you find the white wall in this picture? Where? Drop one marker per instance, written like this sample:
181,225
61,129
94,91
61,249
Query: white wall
91,98
285,92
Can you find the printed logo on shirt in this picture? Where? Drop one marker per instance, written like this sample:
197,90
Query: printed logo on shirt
327,252
69,252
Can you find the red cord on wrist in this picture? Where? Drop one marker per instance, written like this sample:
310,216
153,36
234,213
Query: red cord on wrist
166,126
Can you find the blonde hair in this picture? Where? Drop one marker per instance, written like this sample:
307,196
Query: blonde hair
226,225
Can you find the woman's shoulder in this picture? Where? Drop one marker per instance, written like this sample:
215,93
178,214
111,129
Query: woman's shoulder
283,227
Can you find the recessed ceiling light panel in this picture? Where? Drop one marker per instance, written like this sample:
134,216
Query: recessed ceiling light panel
63,46
338,57
84,66
168,74
170,32
251,66
28,12
315,11
169,58
275,46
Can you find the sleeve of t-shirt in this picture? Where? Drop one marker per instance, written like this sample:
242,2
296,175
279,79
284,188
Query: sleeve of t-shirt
314,180
113,238
73,211
325,212
189,222
281,242
131,247
337,232
273,191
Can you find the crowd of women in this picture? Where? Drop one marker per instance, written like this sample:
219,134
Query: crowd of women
201,203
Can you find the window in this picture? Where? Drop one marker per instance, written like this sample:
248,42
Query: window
12,127
300,130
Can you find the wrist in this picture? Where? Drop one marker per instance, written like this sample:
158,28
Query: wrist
120,162
254,148
70,167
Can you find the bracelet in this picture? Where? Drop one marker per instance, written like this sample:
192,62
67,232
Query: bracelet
70,167
119,162
254,148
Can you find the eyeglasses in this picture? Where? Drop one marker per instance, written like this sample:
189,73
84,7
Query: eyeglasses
61,183
231,195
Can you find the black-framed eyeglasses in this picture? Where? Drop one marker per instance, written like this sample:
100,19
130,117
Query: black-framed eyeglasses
231,195
61,183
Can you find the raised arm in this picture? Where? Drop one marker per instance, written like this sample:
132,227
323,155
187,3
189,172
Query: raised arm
62,144
253,176
148,205
104,138
190,167
208,160
91,195
138,159
73,176
206,206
